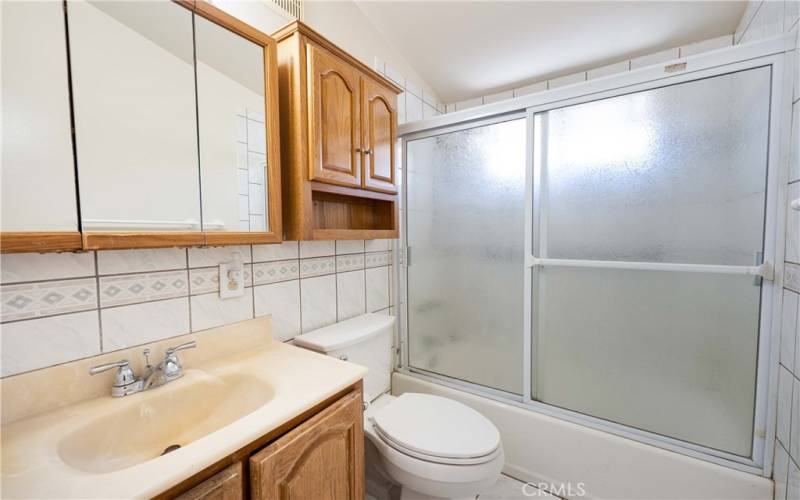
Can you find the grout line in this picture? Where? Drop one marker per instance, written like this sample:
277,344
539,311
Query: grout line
99,312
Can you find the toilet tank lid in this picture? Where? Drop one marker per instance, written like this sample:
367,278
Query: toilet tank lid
345,333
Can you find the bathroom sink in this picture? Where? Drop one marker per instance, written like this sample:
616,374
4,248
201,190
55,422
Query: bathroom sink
146,425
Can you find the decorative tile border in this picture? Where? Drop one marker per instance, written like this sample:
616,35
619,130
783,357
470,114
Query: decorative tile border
349,262
145,287
279,270
377,259
206,279
317,266
34,300
791,277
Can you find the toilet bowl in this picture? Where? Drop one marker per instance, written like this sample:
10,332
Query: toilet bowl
433,447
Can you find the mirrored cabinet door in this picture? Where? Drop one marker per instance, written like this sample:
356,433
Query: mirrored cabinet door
238,143
38,198
135,122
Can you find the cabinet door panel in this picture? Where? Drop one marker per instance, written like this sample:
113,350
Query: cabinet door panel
379,122
333,120
225,485
322,458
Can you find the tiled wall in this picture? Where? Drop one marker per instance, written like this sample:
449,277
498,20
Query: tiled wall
763,19
61,307
414,103
610,69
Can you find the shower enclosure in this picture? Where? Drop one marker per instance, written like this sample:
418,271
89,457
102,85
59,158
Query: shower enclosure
605,257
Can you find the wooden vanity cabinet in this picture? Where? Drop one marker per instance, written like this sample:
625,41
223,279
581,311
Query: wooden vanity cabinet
339,128
319,454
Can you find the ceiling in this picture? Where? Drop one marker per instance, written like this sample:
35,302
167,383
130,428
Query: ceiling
464,49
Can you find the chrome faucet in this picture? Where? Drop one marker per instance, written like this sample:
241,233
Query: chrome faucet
126,382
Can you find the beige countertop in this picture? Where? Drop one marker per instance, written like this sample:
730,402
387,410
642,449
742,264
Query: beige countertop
33,447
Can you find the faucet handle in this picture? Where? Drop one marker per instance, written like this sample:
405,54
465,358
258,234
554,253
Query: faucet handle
186,345
124,380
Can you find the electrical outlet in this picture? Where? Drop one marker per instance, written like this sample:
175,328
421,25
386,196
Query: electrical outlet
231,280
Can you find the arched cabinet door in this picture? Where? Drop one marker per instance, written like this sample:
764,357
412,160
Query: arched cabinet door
333,132
379,119
321,458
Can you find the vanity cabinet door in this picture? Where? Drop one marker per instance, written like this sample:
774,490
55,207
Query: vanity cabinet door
334,108
225,485
321,458
379,119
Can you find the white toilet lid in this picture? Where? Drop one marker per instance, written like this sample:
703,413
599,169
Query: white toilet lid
433,426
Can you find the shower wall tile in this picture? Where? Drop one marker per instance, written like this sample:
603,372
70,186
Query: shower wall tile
789,329
781,471
793,225
785,384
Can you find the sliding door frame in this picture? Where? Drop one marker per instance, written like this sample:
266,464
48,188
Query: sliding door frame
770,53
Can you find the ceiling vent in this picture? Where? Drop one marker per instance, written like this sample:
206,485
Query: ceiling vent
293,8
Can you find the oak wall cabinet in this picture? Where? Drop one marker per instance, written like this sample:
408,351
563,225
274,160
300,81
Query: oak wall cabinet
318,455
339,128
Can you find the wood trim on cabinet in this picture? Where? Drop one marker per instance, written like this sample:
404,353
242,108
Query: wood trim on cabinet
39,241
243,454
300,27
354,234
125,240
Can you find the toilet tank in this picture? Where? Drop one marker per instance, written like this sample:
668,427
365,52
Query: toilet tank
365,340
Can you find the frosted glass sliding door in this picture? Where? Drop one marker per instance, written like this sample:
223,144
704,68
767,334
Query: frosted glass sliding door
466,215
672,175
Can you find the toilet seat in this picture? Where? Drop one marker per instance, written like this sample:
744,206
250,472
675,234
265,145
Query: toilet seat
437,430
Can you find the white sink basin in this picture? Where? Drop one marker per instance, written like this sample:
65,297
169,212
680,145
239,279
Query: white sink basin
142,426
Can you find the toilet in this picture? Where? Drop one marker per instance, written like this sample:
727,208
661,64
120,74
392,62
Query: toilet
432,447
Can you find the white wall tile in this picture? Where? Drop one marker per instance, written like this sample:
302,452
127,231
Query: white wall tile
793,225
793,483
794,433
350,294
791,15
209,310
317,249
413,88
428,111
377,288
349,246
395,76
431,99
789,329
214,256
794,142
531,89
273,272
379,65
413,108
656,58
610,69
47,298
280,251
499,96
282,301
377,245
137,261
747,17
468,103
349,262
138,324
32,344
401,108
562,81
317,267
317,302
791,279
143,287
706,45
785,384
16,267
780,472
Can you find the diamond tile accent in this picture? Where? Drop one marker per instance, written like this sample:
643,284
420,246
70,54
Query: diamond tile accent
206,279
273,272
351,262
143,287
32,300
377,259
317,266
